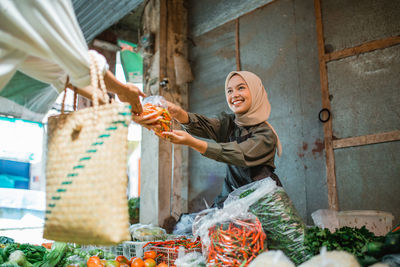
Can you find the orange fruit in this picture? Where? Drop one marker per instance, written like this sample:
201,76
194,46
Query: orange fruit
150,263
138,262
162,264
151,254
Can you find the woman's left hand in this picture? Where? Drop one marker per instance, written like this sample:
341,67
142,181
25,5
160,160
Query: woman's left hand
178,137
184,138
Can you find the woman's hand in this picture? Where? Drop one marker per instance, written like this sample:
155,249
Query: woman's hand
126,92
177,112
131,95
184,138
148,121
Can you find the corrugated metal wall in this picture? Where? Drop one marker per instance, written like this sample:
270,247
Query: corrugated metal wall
277,42
213,57
96,16
365,97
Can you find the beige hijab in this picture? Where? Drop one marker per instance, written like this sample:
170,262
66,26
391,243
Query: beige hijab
260,106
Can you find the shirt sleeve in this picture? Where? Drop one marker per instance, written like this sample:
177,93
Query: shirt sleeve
48,34
203,126
256,150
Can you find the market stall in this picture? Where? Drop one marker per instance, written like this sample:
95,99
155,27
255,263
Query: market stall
314,214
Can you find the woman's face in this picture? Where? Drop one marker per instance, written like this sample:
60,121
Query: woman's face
238,95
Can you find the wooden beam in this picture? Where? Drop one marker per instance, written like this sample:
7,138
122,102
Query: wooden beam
237,48
163,42
366,47
367,139
330,157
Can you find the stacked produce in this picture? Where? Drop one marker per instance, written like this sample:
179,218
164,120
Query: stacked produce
362,243
167,251
284,228
235,243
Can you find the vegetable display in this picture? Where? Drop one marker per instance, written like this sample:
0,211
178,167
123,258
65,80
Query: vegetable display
235,243
284,228
167,251
360,242
6,240
346,238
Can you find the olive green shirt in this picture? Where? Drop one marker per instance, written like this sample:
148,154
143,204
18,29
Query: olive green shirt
249,151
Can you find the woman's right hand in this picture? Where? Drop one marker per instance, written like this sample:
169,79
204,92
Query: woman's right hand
177,112
148,121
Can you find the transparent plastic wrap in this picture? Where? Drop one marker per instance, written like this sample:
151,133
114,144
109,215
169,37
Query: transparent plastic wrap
143,232
272,258
284,228
184,224
192,259
156,106
325,218
229,237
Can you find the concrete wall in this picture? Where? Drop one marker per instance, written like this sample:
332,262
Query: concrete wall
285,58
278,42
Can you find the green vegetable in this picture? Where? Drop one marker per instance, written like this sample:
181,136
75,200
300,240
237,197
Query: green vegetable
112,263
134,206
392,243
9,249
375,248
33,253
358,241
6,240
109,256
55,255
284,227
1,257
18,257
8,264
74,260
246,193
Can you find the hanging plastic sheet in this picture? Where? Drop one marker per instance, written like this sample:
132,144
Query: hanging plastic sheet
26,98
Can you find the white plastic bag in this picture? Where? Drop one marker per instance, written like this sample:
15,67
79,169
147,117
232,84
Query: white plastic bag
325,218
272,258
332,259
192,259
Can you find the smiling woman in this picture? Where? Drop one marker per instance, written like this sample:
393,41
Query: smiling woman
238,95
244,140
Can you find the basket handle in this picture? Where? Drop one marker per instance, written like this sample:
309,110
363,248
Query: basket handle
65,96
97,81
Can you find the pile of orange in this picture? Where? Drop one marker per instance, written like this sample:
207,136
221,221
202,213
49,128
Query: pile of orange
149,260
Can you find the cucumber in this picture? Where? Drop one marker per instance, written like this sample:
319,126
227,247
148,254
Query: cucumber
392,242
375,248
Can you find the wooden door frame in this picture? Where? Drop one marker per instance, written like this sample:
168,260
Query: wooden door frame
329,142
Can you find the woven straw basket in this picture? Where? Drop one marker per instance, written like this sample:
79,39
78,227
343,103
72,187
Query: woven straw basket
86,178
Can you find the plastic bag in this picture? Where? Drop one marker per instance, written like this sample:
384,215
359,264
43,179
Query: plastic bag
332,259
284,228
230,237
272,258
184,224
393,260
326,219
157,106
143,232
192,259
